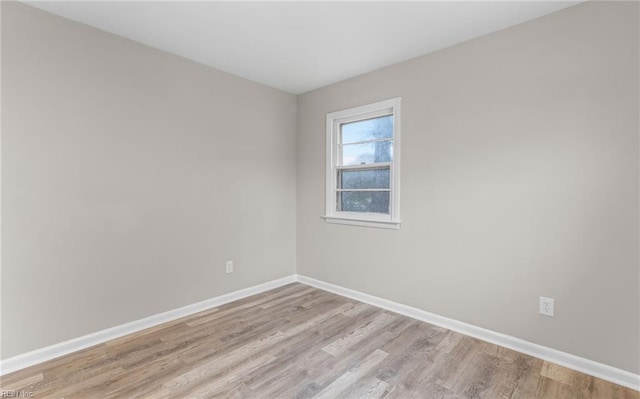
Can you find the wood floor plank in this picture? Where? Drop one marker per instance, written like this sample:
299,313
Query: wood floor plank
345,380
216,364
366,388
305,355
22,382
516,376
300,357
343,343
300,342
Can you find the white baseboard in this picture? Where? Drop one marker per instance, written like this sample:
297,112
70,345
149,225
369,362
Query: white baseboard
609,373
603,371
73,345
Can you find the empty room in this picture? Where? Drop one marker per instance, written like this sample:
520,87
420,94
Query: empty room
272,200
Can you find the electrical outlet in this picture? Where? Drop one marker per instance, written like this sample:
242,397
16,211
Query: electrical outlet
229,266
546,306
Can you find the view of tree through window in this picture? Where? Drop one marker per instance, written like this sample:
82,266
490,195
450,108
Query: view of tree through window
365,153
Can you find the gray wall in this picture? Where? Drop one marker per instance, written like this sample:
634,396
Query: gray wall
519,179
128,177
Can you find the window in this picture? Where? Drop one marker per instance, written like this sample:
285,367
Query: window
363,165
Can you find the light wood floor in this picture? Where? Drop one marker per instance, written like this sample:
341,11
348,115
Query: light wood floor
301,342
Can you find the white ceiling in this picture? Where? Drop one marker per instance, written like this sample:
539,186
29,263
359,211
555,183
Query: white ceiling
300,46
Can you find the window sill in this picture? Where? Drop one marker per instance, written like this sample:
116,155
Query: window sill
381,224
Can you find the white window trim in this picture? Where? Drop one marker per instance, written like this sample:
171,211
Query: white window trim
334,119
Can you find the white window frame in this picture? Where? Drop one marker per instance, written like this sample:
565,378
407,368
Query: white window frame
334,120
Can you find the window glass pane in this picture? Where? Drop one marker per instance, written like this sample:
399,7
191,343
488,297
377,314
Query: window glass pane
364,201
368,178
360,154
370,129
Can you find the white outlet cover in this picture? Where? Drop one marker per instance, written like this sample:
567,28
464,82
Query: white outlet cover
546,306
229,266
